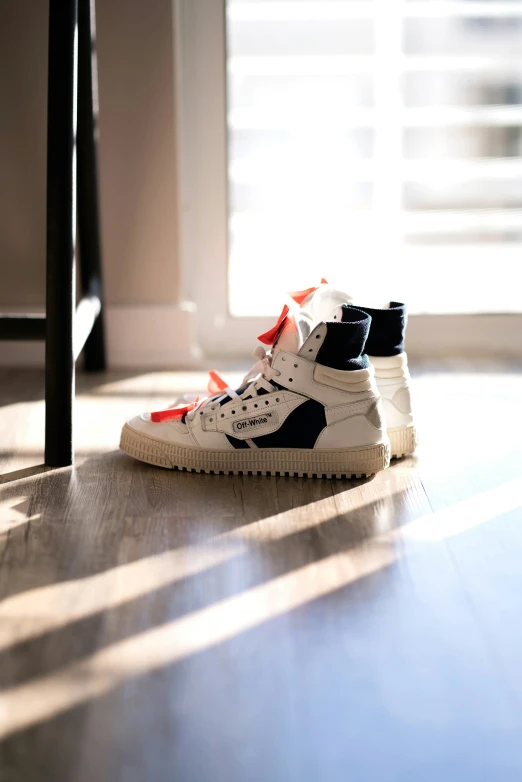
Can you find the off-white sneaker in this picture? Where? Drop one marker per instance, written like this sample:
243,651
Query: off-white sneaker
386,351
310,407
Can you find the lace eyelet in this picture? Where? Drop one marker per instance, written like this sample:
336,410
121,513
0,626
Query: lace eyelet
277,399
295,366
244,407
290,380
267,402
255,405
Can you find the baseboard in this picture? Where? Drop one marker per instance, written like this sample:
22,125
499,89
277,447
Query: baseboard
165,337
465,336
148,337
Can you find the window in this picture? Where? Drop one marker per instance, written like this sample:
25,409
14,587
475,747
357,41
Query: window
358,138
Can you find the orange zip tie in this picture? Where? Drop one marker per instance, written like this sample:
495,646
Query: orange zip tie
270,336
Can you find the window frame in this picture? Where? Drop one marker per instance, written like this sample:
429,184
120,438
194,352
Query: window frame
200,61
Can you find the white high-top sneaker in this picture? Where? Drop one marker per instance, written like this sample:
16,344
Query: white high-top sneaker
308,408
385,349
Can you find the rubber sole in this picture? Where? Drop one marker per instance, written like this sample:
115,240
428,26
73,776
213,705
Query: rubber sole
338,463
403,441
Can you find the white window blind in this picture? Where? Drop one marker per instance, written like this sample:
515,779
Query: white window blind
376,143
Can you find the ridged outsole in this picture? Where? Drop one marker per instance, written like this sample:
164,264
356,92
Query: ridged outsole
403,441
338,463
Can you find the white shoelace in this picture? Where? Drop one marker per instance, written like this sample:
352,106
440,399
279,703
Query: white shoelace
260,376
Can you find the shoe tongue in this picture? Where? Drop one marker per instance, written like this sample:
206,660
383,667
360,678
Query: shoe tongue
323,303
296,328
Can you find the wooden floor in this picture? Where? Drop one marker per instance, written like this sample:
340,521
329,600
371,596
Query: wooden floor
169,627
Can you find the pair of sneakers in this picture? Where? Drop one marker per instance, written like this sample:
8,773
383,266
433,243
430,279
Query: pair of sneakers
329,398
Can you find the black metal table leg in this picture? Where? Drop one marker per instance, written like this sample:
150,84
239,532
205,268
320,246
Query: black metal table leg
61,219
88,209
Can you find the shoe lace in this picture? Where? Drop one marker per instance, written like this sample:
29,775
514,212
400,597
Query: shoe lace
257,378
